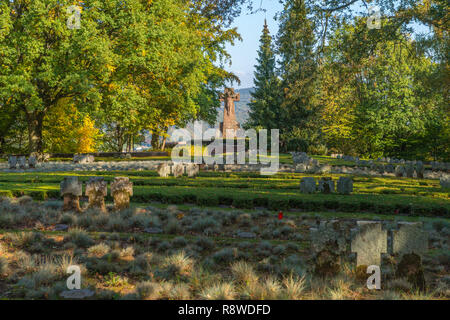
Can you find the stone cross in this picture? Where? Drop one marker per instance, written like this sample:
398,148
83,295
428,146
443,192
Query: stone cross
96,190
71,189
369,243
229,113
121,190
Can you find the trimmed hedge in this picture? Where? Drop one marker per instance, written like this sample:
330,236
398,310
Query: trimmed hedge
295,203
258,201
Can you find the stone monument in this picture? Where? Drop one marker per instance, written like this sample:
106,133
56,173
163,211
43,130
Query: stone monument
229,114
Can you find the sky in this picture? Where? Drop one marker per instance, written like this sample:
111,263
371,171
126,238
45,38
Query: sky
250,26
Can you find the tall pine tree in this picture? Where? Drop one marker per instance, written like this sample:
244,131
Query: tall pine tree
298,69
265,103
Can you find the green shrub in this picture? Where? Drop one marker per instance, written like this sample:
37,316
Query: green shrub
243,203
261,202
208,201
278,204
6,194
226,200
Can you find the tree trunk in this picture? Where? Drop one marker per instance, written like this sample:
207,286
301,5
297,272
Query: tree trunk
155,141
163,144
34,121
119,139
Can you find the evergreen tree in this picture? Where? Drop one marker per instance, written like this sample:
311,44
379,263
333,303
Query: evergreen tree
264,107
296,46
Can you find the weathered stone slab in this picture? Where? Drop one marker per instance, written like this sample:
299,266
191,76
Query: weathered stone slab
409,170
22,162
121,190
400,171
97,190
328,243
301,168
71,189
409,238
420,169
32,161
345,185
445,181
308,185
324,169
163,170
153,230
77,294
326,185
369,242
178,170
83,158
12,162
192,169
410,242
246,235
389,168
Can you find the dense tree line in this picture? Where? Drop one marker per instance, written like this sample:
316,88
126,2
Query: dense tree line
340,86
132,66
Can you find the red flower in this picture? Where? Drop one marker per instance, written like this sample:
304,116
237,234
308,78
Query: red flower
280,215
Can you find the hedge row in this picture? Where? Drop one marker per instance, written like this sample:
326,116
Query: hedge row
263,202
294,203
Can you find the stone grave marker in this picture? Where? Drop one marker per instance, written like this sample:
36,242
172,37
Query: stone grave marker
192,169
178,170
97,190
121,190
308,185
71,189
163,170
12,161
32,161
369,242
328,244
345,185
326,185
409,170
22,162
410,242
400,171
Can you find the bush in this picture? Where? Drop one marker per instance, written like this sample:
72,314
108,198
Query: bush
210,201
226,200
224,256
261,202
79,237
243,203
278,204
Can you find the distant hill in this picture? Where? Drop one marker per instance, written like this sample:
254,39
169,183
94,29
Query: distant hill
241,107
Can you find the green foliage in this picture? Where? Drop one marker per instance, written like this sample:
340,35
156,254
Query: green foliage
265,103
